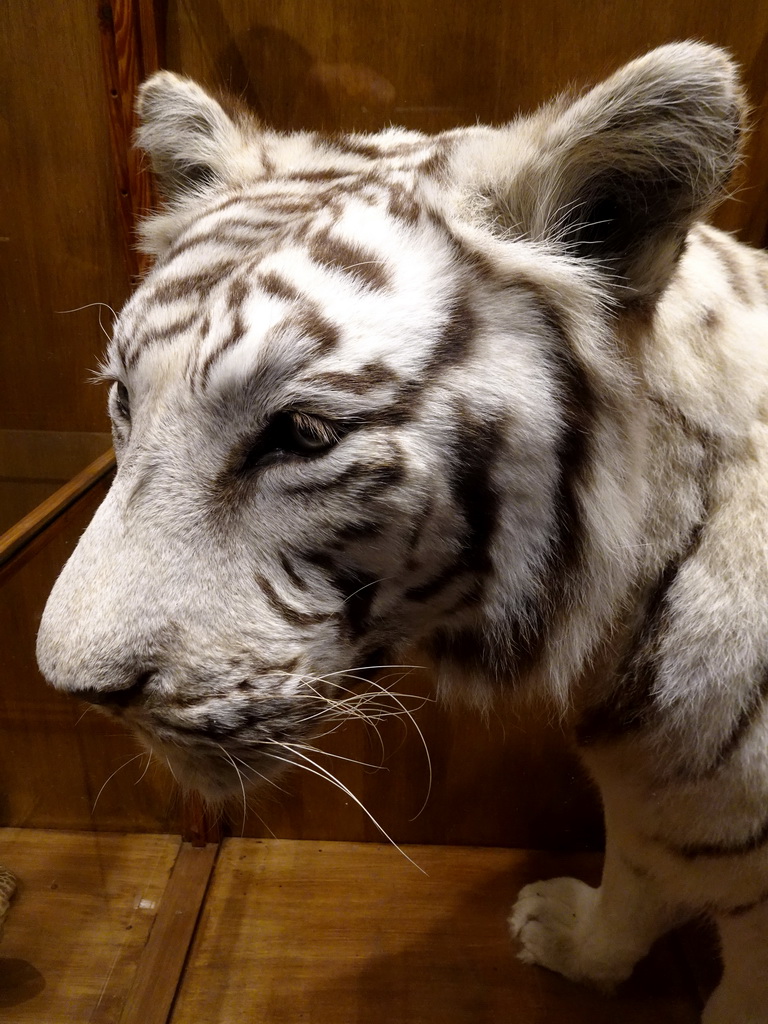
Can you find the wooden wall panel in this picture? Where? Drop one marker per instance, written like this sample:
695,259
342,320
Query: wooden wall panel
433,64
35,463
60,242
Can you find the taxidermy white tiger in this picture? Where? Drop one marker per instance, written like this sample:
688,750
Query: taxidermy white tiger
496,392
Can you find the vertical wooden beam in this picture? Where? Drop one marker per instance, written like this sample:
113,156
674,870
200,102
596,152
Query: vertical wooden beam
161,967
131,50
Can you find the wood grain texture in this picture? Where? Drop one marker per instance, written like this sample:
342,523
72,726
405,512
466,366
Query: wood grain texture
357,64
35,463
43,515
342,933
130,50
78,925
60,235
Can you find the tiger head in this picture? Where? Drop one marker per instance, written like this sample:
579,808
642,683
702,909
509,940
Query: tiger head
373,394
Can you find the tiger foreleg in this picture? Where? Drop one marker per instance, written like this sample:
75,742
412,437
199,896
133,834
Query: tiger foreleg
742,995
589,935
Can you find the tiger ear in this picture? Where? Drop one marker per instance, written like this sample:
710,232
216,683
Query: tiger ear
189,137
620,174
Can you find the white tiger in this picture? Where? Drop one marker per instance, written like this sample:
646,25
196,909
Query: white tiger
496,392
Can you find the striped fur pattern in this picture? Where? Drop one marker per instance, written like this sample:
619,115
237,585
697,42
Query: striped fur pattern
498,393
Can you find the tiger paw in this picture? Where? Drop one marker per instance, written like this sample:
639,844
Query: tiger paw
556,924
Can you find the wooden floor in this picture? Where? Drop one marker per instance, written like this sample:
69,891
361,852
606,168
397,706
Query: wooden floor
147,930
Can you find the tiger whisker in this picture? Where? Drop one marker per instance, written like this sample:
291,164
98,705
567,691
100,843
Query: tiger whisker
242,785
114,773
323,773
146,769
340,757
264,778
417,727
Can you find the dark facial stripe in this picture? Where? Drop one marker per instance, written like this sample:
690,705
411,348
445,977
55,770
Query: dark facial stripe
238,292
372,150
580,406
360,589
692,851
318,330
359,530
356,588
455,344
402,205
234,231
290,614
276,285
130,349
362,265
369,480
189,286
369,377
475,449
292,574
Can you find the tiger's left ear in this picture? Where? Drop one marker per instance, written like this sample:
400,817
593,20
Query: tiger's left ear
191,139
619,175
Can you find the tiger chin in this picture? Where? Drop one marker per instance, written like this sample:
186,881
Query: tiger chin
498,392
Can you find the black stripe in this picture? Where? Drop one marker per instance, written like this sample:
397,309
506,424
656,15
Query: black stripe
370,480
237,333
402,205
356,587
191,285
315,327
580,405
691,851
732,267
746,719
153,336
434,586
369,377
276,285
309,487
350,258
627,709
291,573
238,292
359,530
290,614
632,706
742,908
456,341
235,231
475,449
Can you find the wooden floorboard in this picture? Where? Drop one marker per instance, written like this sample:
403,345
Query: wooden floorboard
79,923
339,933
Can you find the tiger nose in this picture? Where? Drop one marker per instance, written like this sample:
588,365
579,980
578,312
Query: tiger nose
121,697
